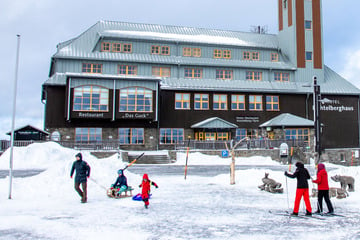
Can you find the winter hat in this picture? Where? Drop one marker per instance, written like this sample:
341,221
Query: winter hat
321,166
79,155
120,172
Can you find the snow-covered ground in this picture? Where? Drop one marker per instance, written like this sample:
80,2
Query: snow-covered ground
46,206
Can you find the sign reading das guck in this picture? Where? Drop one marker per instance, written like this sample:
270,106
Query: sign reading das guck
135,115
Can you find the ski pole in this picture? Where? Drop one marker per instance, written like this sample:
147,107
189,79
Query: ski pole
133,161
287,193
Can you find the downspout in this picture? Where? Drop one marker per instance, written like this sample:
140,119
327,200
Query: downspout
114,96
68,106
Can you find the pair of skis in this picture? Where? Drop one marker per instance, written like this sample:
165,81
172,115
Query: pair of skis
315,216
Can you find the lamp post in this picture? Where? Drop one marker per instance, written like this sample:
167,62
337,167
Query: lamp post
317,126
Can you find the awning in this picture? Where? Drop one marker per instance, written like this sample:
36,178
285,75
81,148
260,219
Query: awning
288,120
214,122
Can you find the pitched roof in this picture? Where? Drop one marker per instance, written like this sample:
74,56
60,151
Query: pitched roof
288,120
214,122
27,127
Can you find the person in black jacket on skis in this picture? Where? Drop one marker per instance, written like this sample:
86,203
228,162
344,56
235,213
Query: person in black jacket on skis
82,169
302,175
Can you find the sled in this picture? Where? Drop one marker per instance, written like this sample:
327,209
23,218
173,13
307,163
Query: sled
138,197
114,192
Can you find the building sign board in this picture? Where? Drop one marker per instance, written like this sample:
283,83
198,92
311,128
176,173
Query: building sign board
247,119
335,105
135,115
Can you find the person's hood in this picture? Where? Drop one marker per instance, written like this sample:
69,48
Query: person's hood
299,165
146,176
79,155
321,166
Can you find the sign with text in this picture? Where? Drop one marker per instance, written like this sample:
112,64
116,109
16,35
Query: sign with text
135,115
334,105
247,119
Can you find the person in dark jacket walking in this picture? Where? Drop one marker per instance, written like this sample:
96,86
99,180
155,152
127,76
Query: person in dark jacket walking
82,169
323,189
146,186
302,175
120,184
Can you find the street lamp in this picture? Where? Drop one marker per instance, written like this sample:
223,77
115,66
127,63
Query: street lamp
317,124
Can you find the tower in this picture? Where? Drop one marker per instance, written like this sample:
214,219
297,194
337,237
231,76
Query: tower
300,36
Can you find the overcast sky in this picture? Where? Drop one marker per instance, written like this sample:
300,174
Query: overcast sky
43,24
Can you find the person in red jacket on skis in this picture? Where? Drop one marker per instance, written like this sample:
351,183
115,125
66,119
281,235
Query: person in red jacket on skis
146,186
323,189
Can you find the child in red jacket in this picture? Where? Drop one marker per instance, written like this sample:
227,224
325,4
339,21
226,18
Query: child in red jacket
323,189
146,186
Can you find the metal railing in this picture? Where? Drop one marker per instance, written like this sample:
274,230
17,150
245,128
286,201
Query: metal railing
193,144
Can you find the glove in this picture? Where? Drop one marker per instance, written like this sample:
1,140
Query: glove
140,185
70,176
156,186
285,173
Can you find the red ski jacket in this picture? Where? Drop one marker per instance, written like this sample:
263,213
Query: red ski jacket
146,184
322,179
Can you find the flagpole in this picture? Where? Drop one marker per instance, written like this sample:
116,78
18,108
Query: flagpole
13,116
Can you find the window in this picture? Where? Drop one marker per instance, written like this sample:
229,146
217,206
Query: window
222,136
131,135
116,47
253,75
155,49
201,101
308,25
187,52
91,98
240,134
105,47
171,135
91,68
298,134
255,103
161,50
308,56
182,100
224,74
246,55
255,56
88,134
274,57
272,103
220,102
196,52
226,54
217,53
161,71
127,70
135,99
193,73
281,77
127,48
237,102
55,136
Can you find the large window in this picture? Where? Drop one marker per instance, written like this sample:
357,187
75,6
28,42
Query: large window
247,55
135,99
253,75
161,71
272,103
298,134
131,135
127,70
220,102
91,98
281,77
237,102
201,101
193,73
224,74
91,68
88,134
218,53
171,135
255,103
242,133
116,47
182,100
